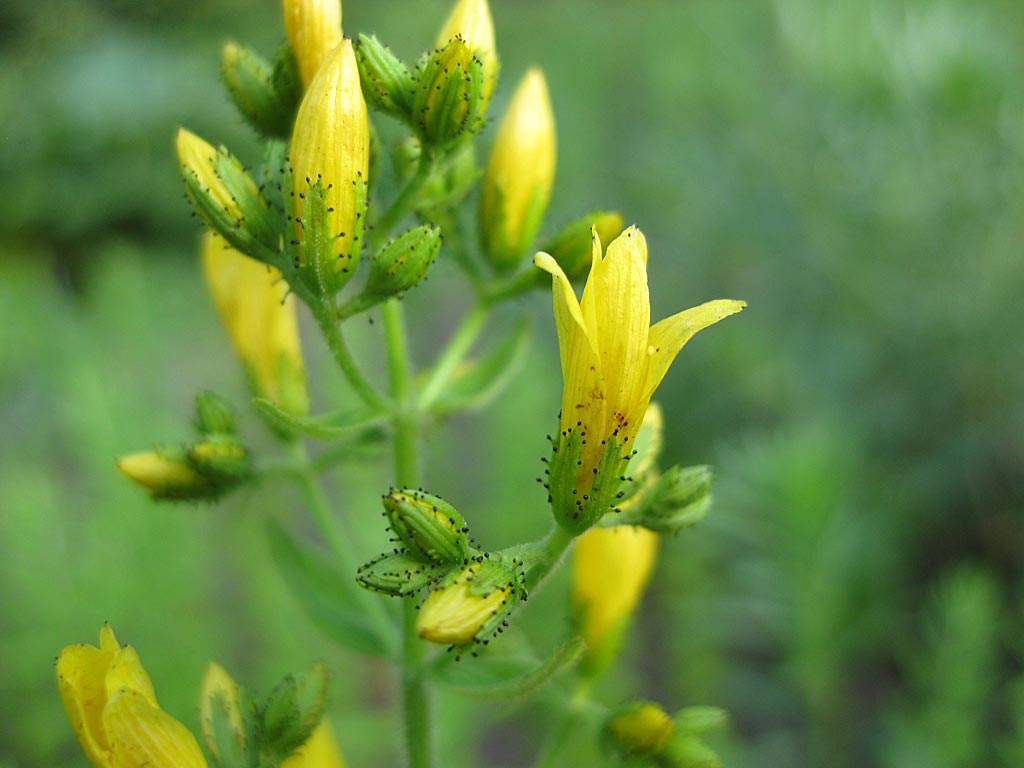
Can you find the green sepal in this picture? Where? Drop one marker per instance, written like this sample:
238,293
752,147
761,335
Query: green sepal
287,82
700,720
326,426
573,511
317,248
221,460
399,574
430,528
264,93
214,415
291,713
328,596
495,677
402,263
448,95
387,83
478,382
225,746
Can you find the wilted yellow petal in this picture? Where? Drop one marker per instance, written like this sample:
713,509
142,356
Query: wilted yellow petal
144,736
668,336
261,318
319,751
611,567
314,30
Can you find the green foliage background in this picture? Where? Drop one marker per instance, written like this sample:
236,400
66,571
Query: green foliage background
851,168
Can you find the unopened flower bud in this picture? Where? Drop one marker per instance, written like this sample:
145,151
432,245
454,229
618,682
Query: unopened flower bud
261,318
471,21
223,461
429,527
470,605
403,262
517,184
224,194
330,154
572,246
220,714
314,30
267,102
677,499
214,415
639,728
387,82
166,474
448,99
611,567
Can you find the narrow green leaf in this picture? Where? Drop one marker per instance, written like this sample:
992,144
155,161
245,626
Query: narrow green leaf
329,597
480,381
510,677
323,427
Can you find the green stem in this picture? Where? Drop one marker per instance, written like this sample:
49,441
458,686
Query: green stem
326,317
416,705
337,538
574,714
454,353
546,554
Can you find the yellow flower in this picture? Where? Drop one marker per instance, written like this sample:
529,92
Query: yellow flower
461,611
113,709
639,728
610,569
471,20
331,144
612,361
164,476
517,185
319,751
261,319
314,30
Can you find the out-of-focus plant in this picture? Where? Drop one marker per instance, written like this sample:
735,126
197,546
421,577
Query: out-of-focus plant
313,221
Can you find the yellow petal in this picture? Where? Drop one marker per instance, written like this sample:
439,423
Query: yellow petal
144,736
616,293
668,336
471,20
568,318
319,751
455,614
108,640
126,672
81,671
314,29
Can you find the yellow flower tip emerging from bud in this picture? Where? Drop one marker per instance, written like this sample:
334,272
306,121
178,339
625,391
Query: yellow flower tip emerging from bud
199,159
642,728
517,185
331,144
314,30
612,358
159,474
454,614
471,20
260,316
110,702
611,567
319,751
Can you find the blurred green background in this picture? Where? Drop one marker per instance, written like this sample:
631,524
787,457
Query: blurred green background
851,168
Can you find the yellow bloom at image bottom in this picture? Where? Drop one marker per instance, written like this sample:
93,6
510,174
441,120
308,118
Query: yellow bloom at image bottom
113,709
610,569
319,751
261,319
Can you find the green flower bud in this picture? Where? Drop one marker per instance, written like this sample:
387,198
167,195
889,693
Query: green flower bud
639,728
387,83
222,461
674,500
263,94
428,526
448,101
403,263
214,415
398,574
572,246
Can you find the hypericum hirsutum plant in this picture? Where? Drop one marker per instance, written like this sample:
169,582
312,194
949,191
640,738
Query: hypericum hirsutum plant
321,221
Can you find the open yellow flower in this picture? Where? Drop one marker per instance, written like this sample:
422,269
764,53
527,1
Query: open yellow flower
261,319
112,707
612,361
